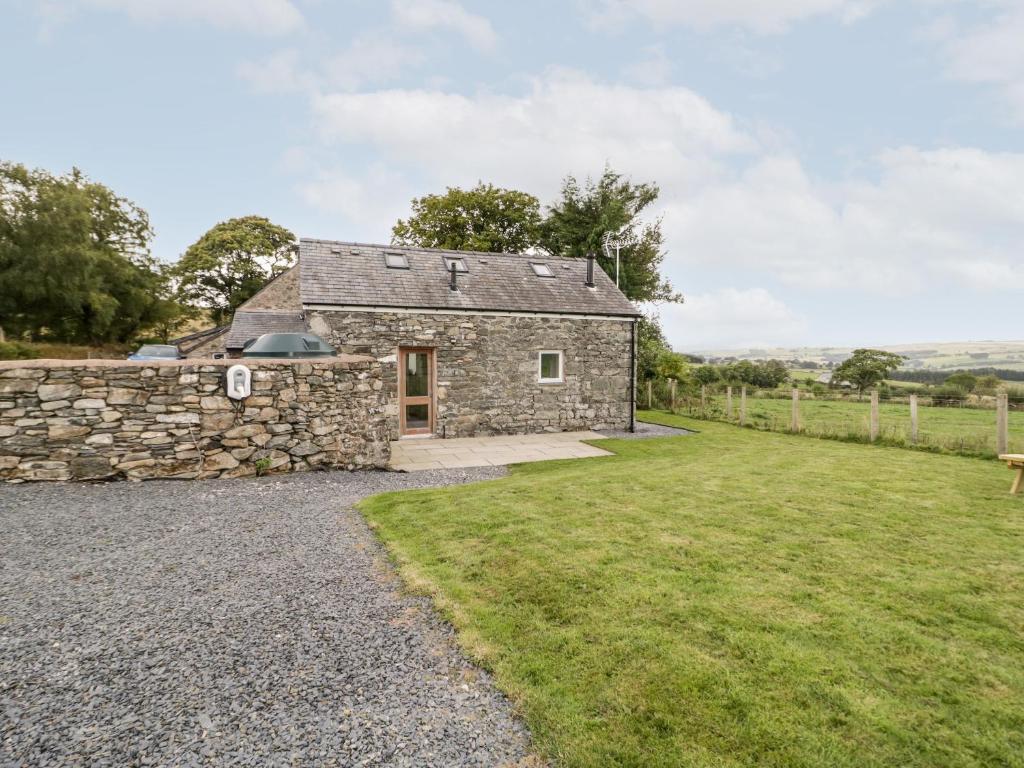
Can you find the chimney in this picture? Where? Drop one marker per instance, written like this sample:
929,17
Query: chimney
590,270
454,272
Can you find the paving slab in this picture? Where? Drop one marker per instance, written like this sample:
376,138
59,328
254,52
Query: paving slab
418,454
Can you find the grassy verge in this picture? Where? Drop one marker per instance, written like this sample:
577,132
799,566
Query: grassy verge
738,598
970,431
57,351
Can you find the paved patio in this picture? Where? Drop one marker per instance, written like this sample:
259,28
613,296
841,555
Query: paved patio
413,455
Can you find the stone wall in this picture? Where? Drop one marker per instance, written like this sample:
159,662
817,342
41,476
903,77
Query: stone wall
62,420
281,293
487,367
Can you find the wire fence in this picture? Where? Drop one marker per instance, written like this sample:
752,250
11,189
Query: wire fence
975,425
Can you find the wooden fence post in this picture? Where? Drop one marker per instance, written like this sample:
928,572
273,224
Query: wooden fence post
728,403
794,421
650,401
672,387
1002,423
743,406
913,419
874,415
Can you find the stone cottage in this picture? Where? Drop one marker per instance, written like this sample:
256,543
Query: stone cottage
485,343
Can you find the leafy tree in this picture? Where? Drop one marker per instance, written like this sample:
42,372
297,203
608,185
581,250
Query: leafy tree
485,218
765,375
233,261
74,258
867,367
962,380
706,374
672,365
650,344
576,224
988,384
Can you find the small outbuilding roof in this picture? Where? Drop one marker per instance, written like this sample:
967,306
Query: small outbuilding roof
336,273
252,324
192,340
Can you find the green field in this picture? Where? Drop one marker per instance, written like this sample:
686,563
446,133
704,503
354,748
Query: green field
737,598
959,430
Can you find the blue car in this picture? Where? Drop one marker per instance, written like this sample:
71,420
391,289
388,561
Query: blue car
156,352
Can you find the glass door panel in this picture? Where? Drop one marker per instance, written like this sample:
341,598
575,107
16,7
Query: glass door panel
416,391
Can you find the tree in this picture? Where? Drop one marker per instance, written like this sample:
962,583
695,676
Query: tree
962,380
672,365
576,224
74,258
485,218
706,374
650,343
867,367
233,261
988,384
766,375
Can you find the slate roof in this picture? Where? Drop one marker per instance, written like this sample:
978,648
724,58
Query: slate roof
341,273
254,323
192,340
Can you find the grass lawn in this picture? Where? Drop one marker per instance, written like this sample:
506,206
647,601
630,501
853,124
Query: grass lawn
962,430
738,598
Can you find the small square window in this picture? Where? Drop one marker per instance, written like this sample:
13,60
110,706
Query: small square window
396,260
541,270
550,368
460,264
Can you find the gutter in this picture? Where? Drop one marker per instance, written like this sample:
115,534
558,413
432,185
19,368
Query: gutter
318,307
632,377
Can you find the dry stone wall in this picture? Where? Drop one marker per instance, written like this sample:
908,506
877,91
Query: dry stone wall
88,420
487,366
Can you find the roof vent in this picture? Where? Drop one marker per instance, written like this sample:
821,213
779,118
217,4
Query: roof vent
590,270
453,271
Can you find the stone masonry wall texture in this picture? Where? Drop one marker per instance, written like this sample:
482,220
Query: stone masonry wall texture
487,367
88,420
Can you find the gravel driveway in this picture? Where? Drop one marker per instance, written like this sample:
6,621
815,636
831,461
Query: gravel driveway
244,622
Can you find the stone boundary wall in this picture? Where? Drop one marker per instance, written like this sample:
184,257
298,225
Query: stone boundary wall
94,419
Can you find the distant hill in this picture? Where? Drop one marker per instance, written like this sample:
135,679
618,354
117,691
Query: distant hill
941,356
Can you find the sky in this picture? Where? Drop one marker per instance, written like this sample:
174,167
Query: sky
832,172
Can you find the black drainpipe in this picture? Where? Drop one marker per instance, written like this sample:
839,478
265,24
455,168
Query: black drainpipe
632,377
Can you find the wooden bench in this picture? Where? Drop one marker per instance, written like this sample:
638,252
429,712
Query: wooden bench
1015,461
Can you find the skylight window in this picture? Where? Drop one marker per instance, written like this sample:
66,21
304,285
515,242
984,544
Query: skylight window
396,260
460,264
541,270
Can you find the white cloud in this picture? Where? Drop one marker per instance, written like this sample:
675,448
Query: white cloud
732,317
371,201
760,16
932,216
565,123
655,68
266,17
370,59
280,73
989,53
445,14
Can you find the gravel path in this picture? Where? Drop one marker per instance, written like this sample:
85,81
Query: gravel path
237,622
645,430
